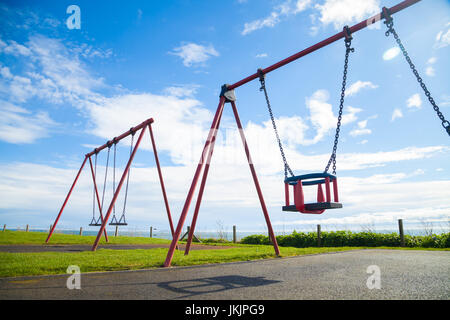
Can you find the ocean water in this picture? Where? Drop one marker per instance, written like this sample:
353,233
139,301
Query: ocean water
227,235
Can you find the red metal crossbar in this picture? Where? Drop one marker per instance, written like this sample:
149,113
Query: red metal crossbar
122,136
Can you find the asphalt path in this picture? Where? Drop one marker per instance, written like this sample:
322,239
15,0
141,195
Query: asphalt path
403,274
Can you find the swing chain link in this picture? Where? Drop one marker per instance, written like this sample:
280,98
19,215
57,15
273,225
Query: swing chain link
389,22
269,107
348,49
93,189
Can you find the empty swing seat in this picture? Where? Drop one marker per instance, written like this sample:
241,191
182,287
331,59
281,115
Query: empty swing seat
95,223
120,222
323,203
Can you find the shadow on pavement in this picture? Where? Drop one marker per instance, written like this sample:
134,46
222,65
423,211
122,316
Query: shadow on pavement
195,287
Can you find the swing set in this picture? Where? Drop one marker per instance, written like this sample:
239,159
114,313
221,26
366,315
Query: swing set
297,182
102,220
328,199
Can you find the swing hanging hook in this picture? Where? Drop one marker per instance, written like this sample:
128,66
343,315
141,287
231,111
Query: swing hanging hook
262,79
388,21
348,38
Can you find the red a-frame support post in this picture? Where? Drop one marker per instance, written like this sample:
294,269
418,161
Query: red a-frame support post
227,96
209,145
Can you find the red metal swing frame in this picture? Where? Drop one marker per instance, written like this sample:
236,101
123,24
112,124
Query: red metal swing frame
142,127
208,148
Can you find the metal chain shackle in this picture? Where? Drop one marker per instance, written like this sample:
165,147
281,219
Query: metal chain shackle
263,88
348,49
389,22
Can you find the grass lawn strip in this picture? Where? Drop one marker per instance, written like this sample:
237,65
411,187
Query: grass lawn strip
44,263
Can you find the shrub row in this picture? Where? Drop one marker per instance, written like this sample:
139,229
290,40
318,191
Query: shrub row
352,239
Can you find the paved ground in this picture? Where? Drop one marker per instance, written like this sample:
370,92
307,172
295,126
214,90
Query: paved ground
404,275
88,247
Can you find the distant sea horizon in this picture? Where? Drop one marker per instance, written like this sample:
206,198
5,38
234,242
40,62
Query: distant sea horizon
227,235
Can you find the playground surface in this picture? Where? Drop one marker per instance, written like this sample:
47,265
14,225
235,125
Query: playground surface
405,275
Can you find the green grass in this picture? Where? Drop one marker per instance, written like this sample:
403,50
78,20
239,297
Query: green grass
22,237
43,263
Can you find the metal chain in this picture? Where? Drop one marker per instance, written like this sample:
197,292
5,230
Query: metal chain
93,191
263,88
106,176
114,176
390,24
128,180
332,159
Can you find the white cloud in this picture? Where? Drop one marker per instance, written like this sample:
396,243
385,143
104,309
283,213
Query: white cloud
322,116
429,71
414,101
18,125
350,115
361,130
443,37
391,53
180,122
194,54
279,12
354,161
89,52
14,48
396,114
261,55
56,74
359,85
445,101
47,186
5,72
343,12
182,91
269,21
432,60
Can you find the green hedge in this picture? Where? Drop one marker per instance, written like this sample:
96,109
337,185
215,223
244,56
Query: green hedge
352,239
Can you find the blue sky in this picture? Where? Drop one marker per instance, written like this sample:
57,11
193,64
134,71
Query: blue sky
65,91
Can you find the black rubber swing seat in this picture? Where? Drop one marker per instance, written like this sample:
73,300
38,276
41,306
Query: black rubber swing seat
121,221
95,223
